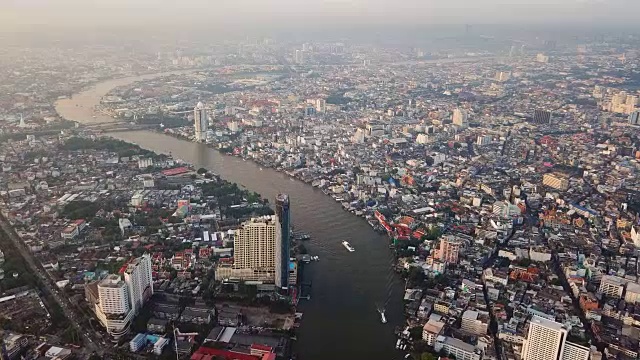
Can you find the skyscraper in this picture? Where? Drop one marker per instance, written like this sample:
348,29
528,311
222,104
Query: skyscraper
459,117
117,299
546,340
283,234
634,118
201,122
254,245
137,276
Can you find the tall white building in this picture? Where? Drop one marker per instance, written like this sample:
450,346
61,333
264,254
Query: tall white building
116,299
575,352
137,276
460,117
546,340
201,122
114,295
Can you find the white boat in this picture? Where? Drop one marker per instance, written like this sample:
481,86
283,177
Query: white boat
348,246
382,317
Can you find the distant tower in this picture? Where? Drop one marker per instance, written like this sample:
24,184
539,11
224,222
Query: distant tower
299,56
467,29
201,122
283,234
459,117
512,51
22,123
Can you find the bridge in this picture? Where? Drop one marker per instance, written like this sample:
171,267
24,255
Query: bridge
118,126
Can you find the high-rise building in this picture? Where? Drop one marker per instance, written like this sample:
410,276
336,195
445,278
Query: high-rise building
117,299
542,58
283,232
254,252
449,249
321,105
542,117
201,122
634,118
611,286
137,276
254,245
459,117
299,57
573,351
502,76
547,340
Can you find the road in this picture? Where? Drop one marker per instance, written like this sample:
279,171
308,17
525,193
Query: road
48,285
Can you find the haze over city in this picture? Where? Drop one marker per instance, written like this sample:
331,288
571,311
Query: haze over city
292,14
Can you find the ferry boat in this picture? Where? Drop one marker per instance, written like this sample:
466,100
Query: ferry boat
383,318
348,246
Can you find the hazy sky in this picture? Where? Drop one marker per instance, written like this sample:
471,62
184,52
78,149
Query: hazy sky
82,13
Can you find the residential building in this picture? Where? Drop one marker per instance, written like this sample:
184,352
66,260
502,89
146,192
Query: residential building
458,348
542,117
545,340
556,181
449,249
254,252
632,293
474,323
611,286
432,329
575,352
459,117
634,118
117,299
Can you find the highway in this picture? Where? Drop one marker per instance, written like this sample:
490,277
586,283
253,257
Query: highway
49,285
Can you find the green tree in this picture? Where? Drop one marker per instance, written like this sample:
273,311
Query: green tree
202,171
428,356
416,332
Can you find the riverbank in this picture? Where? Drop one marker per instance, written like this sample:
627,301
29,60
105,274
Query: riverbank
369,216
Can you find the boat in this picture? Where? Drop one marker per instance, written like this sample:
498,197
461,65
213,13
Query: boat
383,318
348,246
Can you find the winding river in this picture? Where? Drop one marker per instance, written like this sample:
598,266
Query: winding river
340,319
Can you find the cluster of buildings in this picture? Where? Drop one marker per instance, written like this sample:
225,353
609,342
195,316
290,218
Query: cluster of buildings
125,229
508,178
509,189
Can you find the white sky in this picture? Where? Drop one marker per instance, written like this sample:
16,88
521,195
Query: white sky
82,13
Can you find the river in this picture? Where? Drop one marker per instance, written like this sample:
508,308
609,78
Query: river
340,320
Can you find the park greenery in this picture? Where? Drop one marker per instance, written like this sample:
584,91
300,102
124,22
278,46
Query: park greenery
122,148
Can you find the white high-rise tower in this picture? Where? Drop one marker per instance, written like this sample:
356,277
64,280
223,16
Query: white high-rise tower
201,122
547,340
